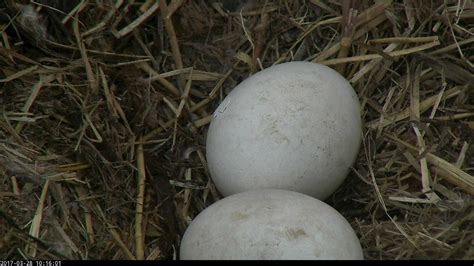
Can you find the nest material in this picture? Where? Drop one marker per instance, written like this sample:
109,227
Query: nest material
105,106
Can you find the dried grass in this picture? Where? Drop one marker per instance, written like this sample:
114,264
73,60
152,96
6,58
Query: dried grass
105,107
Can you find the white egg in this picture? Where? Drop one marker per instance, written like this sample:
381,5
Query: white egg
270,224
293,126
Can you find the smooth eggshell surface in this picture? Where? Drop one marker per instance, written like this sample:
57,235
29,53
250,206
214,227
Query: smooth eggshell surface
293,126
270,224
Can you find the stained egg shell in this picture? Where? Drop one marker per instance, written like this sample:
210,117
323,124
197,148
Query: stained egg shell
293,126
270,224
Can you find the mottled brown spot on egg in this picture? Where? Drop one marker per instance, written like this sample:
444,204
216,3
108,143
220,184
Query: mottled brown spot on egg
236,216
295,233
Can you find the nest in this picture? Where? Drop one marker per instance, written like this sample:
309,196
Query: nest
105,107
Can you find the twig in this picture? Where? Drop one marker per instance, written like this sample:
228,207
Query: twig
34,93
173,40
260,32
19,74
139,237
174,5
348,25
82,48
31,248
376,56
137,22
87,216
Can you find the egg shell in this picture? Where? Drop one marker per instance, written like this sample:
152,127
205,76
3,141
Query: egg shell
293,126
270,224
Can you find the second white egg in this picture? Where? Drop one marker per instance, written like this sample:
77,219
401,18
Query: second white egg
270,224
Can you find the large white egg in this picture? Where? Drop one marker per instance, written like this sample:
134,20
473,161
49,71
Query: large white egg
270,224
293,126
